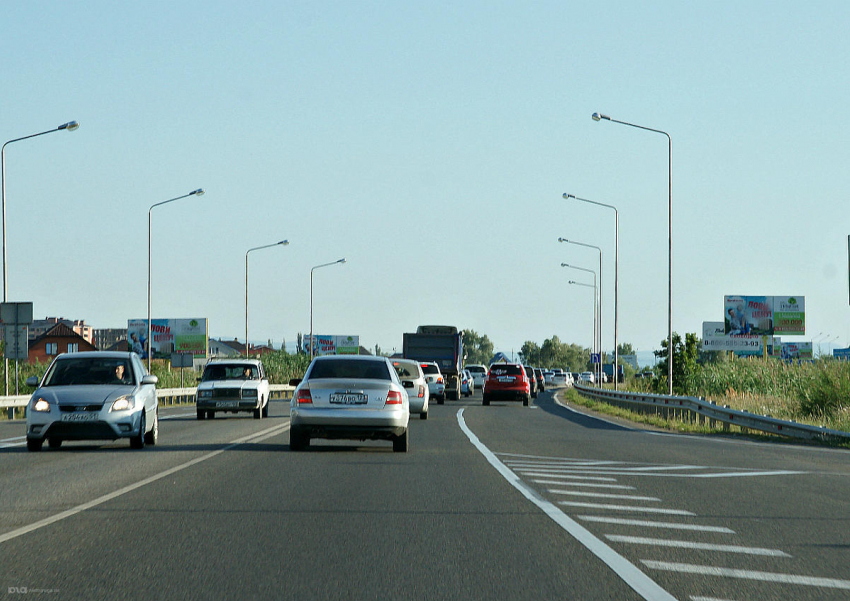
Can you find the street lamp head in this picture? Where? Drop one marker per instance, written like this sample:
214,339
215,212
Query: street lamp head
598,116
562,240
564,265
568,196
572,282
341,261
70,126
284,242
198,192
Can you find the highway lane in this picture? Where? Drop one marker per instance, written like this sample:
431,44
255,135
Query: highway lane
351,520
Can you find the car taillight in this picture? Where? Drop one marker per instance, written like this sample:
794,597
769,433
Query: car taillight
421,392
439,380
304,397
393,397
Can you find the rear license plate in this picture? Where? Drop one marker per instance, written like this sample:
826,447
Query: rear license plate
506,378
226,404
79,417
348,398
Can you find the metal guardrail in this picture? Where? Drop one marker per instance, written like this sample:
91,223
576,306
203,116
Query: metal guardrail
166,396
699,410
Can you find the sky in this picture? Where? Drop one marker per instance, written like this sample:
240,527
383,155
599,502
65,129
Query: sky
429,145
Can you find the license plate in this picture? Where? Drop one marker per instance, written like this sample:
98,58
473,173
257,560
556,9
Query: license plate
348,398
506,378
79,417
226,404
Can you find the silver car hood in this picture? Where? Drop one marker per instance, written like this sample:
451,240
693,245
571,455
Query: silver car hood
84,395
229,384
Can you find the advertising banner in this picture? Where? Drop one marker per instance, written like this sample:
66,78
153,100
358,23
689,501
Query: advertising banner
841,353
764,315
169,336
796,350
333,345
714,338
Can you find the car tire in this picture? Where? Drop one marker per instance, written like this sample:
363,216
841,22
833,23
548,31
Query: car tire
401,442
54,443
441,399
298,440
258,413
34,444
152,437
485,401
525,401
210,414
423,415
266,408
201,414
138,441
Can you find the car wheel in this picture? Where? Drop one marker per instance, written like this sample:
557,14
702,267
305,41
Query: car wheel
485,401
152,437
441,399
525,401
210,414
258,413
34,444
201,414
138,441
54,443
266,408
400,442
423,415
298,440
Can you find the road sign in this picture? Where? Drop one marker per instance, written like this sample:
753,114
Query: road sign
594,357
17,343
16,313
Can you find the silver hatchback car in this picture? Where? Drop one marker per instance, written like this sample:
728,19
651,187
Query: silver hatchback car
350,397
93,396
413,379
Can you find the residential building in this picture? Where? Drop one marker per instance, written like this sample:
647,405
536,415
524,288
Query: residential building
57,340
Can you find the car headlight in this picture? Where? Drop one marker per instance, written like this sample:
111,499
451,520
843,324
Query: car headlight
41,406
205,394
249,393
125,403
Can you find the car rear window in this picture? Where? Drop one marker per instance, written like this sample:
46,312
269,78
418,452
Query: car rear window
406,369
506,370
430,369
476,369
342,368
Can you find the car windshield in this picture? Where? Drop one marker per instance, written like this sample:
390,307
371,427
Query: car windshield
506,370
90,371
348,369
430,369
406,369
233,371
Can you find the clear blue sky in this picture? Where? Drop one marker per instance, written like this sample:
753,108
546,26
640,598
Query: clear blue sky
429,145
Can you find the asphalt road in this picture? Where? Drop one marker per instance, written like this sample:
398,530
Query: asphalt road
499,502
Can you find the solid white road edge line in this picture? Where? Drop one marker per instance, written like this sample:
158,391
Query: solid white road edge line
627,571
262,435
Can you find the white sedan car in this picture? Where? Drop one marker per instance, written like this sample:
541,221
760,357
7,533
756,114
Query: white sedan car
413,379
233,385
354,397
479,374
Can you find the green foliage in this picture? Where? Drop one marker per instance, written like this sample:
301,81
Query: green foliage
554,353
478,348
684,363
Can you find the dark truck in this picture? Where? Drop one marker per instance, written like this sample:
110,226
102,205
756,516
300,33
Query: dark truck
608,370
444,346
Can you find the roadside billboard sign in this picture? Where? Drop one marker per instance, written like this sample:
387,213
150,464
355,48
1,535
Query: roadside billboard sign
764,315
714,338
334,345
796,350
841,353
189,336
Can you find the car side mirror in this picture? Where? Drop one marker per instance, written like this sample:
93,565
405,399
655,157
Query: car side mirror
32,381
295,381
149,379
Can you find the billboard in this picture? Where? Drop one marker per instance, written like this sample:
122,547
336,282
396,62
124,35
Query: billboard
189,336
764,315
796,350
841,353
714,338
333,345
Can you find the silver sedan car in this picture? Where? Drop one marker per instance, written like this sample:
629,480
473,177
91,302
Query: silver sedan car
349,397
93,396
413,379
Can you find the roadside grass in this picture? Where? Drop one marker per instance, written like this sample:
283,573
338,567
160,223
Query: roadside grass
676,424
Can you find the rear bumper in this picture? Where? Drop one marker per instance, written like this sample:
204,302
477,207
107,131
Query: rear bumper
511,394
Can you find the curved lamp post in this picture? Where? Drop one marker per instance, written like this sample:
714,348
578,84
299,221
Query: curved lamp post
616,277
595,308
70,126
600,293
595,300
198,192
599,117
339,261
250,250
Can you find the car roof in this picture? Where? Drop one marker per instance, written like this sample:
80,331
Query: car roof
234,362
350,358
102,354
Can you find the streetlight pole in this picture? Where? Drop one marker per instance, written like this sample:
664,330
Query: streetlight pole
198,192
600,116
340,261
616,278
281,243
600,293
594,288
70,126
595,306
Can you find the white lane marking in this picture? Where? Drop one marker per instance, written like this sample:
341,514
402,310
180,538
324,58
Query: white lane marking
576,493
687,568
692,598
627,571
609,466
565,476
608,472
628,508
257,436
13,438
15,441
564,463
586,484
193,414
651,524
683,544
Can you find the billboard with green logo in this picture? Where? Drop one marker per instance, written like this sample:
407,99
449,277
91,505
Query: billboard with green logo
764,315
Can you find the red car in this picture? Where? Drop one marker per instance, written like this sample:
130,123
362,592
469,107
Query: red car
507,381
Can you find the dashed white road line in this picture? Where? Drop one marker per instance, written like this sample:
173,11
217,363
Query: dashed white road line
687,568
628,508
567,476
652,524
601,495
684,544
586,484
627,571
